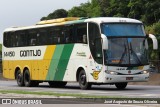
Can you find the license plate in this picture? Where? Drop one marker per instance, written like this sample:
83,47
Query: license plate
129,78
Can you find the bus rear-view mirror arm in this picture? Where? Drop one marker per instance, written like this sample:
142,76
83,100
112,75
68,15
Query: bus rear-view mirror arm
154,40
104,42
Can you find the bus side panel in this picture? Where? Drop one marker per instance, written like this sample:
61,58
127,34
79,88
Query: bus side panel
79,58
11,69
34,70
59,62
40,68
6,72
43,69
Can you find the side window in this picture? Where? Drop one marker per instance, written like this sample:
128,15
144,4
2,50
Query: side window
42,37
95,42
68,34
32,37
21,38
6,39
55,35
81,33
13,40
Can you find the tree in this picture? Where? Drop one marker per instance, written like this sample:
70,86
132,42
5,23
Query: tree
79,11
59,13
94,9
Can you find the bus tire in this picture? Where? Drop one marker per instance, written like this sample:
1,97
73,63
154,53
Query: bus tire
57,84
82,79
19,78
27,79
121,86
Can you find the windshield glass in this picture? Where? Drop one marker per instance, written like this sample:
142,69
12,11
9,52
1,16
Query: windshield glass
126,44
123,29
126,51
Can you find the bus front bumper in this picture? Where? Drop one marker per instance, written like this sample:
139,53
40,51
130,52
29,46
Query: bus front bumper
126,78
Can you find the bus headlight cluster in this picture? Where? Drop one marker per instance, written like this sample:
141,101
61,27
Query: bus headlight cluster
111,72
144,72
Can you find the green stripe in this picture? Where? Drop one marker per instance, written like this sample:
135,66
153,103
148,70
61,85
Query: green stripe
59,62
54,62
65,56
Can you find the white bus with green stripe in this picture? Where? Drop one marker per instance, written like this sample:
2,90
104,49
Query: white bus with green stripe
90,51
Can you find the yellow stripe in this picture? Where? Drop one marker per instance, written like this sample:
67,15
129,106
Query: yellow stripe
44,65
49,52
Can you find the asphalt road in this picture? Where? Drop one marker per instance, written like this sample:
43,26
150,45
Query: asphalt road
132,91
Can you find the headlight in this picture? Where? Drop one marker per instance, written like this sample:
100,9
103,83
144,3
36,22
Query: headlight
144,72
111,72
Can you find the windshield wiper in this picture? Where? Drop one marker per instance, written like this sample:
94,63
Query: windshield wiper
125,51
134,54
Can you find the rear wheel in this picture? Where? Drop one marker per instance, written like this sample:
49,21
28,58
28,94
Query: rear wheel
57,83
27,80
121,85
82,79
19,78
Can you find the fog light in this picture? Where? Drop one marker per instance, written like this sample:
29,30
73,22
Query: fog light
145,72
111,72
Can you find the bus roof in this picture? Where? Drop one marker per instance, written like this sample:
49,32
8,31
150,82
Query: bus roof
112,20
72,20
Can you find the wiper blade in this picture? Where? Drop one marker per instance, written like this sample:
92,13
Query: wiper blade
132,52
125,51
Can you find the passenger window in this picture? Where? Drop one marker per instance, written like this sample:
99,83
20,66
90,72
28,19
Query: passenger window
81,33
33,37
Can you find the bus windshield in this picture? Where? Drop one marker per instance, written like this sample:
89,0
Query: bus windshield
117,29
126,45
126,51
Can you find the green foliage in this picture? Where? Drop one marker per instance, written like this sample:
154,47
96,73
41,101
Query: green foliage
154,29
0,47
92,9
79,11
0,50
59,13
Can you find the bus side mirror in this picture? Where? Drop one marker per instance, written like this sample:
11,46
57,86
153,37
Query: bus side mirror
104,42
154,40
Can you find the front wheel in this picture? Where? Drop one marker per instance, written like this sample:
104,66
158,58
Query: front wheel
83,81
121,85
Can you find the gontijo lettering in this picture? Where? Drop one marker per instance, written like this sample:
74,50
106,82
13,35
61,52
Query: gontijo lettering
28,53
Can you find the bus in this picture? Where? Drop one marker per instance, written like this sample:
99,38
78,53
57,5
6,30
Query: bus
90,51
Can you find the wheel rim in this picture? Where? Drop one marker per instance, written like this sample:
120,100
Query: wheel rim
83,79
19,78
27,79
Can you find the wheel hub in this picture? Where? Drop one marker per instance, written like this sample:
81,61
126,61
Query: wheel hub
83,79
